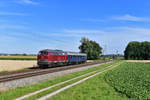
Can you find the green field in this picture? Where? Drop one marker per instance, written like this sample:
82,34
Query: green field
18,57
131,79
128,81
93,89
11,94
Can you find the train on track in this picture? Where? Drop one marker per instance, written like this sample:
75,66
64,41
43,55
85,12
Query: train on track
52,58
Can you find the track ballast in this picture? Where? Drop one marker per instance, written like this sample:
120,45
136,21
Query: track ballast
35,72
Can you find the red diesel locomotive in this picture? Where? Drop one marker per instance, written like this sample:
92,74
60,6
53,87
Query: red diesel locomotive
53,58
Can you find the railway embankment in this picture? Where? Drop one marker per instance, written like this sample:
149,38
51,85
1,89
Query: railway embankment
36,79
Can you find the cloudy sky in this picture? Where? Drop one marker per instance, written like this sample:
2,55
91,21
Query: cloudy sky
27,26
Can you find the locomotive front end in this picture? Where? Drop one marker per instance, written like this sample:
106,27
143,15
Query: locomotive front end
43,58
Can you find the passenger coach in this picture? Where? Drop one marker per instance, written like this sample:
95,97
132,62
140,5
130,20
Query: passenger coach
52,58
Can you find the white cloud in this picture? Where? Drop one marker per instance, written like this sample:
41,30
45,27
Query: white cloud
76,33
84,31
136,30
30,2
110,32
116,38
128,17
128,31
27,2
12,14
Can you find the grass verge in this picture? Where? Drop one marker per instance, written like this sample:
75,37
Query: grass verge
19,70
63,85
95,88
34,97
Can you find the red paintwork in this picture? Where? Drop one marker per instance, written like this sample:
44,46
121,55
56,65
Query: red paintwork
53,58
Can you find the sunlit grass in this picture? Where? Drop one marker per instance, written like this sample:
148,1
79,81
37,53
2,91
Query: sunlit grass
95,88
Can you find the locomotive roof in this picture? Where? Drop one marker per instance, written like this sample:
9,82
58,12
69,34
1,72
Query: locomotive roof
67,52
52,50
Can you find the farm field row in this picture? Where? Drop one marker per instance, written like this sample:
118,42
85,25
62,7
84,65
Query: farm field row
131,79
18,57
14,65
9,95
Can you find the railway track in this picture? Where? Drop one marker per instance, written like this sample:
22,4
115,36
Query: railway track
24,74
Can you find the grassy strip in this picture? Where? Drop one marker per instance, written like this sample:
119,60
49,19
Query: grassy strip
131,79
95,88
59,87
14,93
2,72
18,57
55,88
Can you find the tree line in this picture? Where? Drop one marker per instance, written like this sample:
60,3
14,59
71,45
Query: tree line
91,48
137,50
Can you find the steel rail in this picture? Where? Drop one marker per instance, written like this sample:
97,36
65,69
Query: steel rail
11,77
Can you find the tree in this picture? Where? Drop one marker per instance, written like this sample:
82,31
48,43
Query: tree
145,50
132,50
137,50
91,48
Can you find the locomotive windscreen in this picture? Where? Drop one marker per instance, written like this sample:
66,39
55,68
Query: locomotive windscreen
43,53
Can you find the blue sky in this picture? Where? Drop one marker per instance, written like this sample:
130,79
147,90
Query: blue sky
27,26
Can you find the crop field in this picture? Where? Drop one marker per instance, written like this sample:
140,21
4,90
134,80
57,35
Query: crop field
12,65
18,57
131,79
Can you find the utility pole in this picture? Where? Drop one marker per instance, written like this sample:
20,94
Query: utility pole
117,54
104,51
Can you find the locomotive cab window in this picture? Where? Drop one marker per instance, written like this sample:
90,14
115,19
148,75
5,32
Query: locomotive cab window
43,53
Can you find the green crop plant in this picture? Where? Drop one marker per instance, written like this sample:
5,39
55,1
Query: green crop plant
132,79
